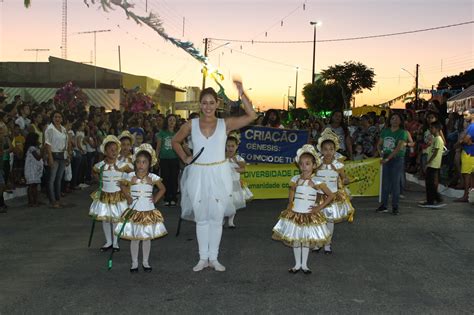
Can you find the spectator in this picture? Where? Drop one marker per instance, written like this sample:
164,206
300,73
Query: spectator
435,155
35,126
467,156
56,144
337,125
315,130
18,155
33,167
23,121
272,119
359,153
366,135
169,162
392,146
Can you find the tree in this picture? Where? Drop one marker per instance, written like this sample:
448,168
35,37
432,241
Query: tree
351,77
27,3
462,80
322,96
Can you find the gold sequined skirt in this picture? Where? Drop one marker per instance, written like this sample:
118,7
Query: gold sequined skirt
301,229
141,225
107,206
340,209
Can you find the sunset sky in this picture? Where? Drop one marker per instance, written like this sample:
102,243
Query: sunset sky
439,53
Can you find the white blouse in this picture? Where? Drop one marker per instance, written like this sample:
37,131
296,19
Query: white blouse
56,139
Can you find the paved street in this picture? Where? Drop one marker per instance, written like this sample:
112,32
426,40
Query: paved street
418,262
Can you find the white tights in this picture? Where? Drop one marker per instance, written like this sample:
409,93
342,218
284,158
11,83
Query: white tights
108,232
301,257
134,248
209,230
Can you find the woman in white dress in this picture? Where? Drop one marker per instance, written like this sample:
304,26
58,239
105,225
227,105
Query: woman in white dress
206,185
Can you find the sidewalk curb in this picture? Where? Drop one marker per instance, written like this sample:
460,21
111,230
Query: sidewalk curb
446,191
17,192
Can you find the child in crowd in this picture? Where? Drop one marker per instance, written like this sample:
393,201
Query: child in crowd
359,153
435,156
331,172
302,225
126,140
33,167
142,221
109,202
240,193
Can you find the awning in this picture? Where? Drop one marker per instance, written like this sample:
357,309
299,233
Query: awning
463,101
110,99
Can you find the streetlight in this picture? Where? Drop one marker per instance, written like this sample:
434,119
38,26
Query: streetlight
315,23
296,85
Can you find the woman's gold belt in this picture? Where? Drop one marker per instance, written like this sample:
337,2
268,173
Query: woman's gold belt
211,164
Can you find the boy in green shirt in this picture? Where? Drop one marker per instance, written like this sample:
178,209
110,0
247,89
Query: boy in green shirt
435,155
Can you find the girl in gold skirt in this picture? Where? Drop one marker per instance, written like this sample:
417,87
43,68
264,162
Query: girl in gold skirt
142,221
302,225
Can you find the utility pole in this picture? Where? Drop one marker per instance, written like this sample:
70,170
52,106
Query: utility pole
95,50
36,50
120,66
296,87
64,30
315,24
206,41
289,87
416,85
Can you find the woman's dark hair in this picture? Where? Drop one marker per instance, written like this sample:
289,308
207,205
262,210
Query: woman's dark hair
165,123
266,118
343,124
146,155
208,91
426,124
54,113
32,140
402,121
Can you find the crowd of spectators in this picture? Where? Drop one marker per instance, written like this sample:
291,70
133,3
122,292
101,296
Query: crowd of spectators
65,142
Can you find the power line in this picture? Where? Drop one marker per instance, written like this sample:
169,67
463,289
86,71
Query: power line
267,60
343,39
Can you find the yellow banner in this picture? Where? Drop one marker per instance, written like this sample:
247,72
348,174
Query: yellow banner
271,181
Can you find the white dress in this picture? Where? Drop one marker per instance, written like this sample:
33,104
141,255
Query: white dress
33,167
206,184
298,226
340,209
240,192
108,201
142,220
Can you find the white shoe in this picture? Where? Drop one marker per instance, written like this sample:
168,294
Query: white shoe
201,265
216,265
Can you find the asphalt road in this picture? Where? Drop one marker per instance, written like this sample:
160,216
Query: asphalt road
418,262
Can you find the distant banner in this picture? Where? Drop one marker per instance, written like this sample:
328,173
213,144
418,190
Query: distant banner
271,145
271,181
